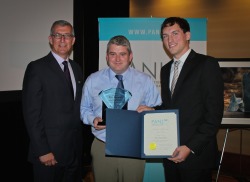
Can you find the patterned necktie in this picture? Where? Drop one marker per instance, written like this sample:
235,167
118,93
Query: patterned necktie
119,98
175,77
120,83
67,74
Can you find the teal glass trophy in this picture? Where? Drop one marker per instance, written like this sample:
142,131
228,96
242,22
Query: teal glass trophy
113,98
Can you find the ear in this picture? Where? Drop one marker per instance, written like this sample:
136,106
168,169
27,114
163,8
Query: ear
107,59
188,36
73,41
131,56
50,40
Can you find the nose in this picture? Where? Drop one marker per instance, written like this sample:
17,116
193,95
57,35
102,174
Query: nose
62,38
170,38
117,57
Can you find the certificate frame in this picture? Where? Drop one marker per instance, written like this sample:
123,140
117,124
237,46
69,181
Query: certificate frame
160,130
125,133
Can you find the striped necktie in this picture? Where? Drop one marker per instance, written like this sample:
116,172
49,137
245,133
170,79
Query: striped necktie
118,95
120,83
175,77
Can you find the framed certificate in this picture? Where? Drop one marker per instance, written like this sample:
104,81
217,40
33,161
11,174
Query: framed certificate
160,133
150,134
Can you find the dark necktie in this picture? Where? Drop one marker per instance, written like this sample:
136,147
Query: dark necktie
120,83
175,77
67,74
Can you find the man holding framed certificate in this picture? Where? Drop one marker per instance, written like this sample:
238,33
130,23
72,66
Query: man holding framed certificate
195,88
103,90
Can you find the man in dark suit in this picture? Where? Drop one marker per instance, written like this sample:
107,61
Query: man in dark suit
51,109
198,95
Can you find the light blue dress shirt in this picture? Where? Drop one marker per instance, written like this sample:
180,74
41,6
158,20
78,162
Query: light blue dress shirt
139,84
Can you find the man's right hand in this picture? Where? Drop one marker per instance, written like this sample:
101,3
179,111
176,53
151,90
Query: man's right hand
96,126
48,159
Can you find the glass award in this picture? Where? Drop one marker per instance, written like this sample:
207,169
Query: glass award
113,98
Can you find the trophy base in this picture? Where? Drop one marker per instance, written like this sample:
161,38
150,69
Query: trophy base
103,123
104,107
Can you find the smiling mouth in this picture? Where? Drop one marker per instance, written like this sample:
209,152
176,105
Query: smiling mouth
172,45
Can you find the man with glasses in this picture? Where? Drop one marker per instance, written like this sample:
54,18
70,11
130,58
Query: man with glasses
52,88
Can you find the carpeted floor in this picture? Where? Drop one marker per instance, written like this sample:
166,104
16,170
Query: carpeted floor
222,177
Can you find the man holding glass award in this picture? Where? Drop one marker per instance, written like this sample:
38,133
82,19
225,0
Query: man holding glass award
117,87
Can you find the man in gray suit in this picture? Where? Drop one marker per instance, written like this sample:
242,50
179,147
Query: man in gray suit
51,109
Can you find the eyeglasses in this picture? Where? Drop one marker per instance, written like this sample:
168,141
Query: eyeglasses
59,36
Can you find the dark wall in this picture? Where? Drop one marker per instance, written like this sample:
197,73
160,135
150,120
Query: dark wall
14,135
86,53
87,43
86,25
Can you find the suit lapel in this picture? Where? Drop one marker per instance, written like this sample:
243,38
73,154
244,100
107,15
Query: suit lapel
186,69
168,79
73,66
78,78
58,70
55,66
165,79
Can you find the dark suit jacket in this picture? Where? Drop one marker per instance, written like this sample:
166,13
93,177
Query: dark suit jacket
51,115
199,97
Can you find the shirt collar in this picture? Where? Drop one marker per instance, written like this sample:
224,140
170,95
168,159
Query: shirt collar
183,57
58,58
125,74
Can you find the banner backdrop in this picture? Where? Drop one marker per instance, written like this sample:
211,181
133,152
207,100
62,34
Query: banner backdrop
144,36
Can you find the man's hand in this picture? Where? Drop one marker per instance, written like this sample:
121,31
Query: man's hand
96,126
48,159
180,154
142,108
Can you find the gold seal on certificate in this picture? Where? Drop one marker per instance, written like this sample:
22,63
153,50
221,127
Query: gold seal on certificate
152,146
113,98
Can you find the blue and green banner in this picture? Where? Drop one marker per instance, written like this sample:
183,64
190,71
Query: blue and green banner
144,36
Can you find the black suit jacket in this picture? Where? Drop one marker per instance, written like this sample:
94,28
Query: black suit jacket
199,97
51,115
